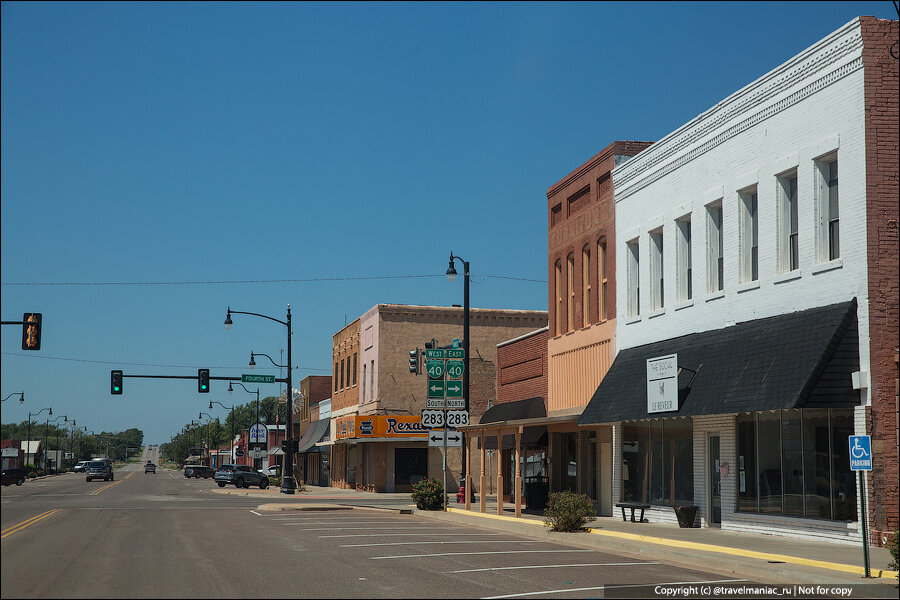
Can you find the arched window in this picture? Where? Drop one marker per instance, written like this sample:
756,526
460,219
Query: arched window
558,299
586,286
601,277
570,279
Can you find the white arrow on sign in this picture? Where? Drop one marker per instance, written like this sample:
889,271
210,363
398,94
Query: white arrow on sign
436,438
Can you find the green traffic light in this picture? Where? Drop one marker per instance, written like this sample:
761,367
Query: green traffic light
116,388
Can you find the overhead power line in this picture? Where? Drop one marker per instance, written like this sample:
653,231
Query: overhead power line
250,281
136,364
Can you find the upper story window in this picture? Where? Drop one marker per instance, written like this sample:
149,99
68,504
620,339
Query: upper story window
715,248
828,235
354,369
342,374
602,263
557,285
684,283
335,378
570,295
657,287
632,255
585,286
578,200
556,214
788,240
749,205
363,390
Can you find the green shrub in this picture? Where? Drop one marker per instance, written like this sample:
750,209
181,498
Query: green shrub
893,545
275,482
428,494
568,511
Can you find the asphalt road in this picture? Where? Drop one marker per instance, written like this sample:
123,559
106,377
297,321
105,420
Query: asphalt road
162,536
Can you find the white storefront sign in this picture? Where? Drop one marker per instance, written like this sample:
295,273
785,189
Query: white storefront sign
258,434
662,384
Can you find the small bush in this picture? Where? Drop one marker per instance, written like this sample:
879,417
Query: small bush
428,494
893,545
568,511
275,482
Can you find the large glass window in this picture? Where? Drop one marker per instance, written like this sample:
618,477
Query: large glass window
715,248
585,286
788,239
657,280
796,463
658,462
634,278
749,235
683,258
570,292
601,247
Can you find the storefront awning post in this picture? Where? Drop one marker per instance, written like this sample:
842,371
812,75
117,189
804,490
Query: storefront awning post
467,456
482,500
518,480
499,471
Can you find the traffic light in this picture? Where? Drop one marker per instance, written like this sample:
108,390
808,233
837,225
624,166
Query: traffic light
115,382
414,361
31,331
203,381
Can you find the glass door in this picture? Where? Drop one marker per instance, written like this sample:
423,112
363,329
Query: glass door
715,482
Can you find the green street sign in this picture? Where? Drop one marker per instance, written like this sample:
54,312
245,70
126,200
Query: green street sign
436,389
454,389
437,354
258,378
460,353
455,369
435,369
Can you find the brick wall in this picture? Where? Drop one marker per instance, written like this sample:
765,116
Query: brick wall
345,387
522,367
882,191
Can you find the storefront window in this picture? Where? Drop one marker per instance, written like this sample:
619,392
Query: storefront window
410,465
799,461
658,462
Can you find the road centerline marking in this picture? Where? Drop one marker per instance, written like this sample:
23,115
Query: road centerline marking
27,522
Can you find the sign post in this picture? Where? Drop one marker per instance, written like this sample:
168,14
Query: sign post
444,368
861,461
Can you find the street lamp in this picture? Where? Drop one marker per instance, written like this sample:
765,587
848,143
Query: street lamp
65,420
208,443
31,414
288,486
231,391
21,397
199,438
211,402
451,275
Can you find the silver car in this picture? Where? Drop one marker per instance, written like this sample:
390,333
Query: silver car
98,469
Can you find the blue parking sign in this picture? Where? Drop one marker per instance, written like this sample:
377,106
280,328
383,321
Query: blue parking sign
860,453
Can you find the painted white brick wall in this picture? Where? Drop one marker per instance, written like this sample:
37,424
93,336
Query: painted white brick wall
812,105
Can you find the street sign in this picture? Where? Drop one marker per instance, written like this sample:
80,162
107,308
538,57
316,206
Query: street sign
239,453
436,354
455,369
437,403
436,438
458,353
454,389
456,403
860,453
435,369
258,434
433,419
455,418
257,378
436,389
257,453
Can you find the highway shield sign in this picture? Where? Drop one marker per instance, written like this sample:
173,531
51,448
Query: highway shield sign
455,369
435,369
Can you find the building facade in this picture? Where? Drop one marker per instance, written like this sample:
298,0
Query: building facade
756,313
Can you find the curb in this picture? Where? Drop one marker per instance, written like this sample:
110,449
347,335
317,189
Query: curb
305,507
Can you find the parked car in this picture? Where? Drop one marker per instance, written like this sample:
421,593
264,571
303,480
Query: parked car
13,476
271,471
79,467
100,468
149,468
242,476
198,471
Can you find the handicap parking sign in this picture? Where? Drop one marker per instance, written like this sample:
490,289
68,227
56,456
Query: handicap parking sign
860,453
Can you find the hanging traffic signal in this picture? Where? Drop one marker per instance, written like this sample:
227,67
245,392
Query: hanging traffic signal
414,361
31,331
203,381
115,382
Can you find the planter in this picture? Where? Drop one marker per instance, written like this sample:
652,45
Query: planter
686,515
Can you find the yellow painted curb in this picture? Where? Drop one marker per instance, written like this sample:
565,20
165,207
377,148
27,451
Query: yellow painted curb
706,547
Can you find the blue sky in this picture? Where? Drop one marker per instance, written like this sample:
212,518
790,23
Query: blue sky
343,147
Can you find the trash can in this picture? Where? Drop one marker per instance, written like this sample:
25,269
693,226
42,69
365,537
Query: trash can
537,488
686,515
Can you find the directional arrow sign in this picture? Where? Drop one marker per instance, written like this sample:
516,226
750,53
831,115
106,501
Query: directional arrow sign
435,369
436,438
454,389
436,389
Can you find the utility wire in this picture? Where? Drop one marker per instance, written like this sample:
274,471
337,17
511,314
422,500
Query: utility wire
246,281
135,364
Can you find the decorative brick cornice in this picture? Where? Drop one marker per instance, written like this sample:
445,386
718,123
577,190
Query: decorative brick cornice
831,59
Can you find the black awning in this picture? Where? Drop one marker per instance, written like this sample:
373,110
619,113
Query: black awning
797,360
512,411
314,433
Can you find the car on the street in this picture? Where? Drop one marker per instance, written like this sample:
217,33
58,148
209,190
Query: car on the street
99,469
271,471
80,465
149,468
13,475
198,471
242,476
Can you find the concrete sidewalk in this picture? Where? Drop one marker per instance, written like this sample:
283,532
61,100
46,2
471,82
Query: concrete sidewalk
768,558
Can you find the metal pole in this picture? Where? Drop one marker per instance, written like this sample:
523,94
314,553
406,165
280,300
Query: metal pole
465,360
865,523
46,429
28,441
287,480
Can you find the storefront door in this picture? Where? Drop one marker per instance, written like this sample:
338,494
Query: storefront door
715,482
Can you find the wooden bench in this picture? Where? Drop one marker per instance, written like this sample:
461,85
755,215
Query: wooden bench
633,506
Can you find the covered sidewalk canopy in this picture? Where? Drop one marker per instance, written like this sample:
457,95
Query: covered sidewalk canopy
315,433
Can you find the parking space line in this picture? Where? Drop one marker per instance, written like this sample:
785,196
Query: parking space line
479,553
333,522
354,535
368,528
624,564
443,542
608,587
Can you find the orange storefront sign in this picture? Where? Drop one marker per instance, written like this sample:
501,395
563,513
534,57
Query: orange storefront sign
379,426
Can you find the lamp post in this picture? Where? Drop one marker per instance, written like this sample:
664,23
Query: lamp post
21,397
65,419
288,486
31,414
231,391
208,443
451,276
199,439
211,402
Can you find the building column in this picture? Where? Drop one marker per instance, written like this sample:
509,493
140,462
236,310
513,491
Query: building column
468,482
482,500
518,479
499,471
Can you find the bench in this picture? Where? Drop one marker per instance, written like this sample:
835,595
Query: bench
633,506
